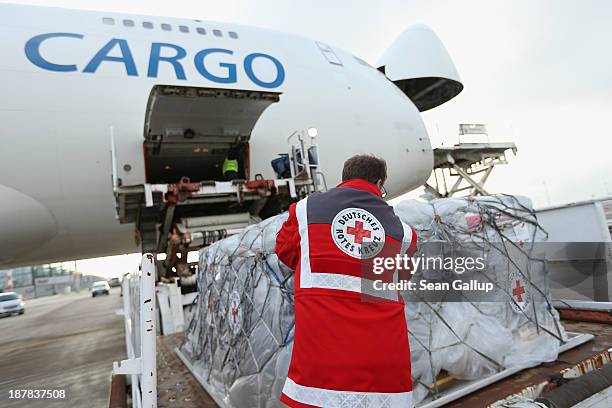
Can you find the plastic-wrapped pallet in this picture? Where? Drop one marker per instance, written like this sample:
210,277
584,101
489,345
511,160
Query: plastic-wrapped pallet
471,340
239,340
240,337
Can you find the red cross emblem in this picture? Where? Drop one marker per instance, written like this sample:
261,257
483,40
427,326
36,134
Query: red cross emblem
359,232
234,311
518,291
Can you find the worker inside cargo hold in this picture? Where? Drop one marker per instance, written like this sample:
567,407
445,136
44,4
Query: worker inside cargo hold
231,164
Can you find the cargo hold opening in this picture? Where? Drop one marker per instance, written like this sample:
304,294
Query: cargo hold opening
189,131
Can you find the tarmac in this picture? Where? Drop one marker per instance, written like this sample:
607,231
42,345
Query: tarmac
62,342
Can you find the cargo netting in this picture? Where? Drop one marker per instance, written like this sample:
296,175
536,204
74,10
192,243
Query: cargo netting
240,336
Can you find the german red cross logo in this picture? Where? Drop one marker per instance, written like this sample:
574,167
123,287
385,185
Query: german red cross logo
358,233
234,314
518,291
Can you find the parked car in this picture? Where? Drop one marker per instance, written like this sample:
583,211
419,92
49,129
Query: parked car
114,282
11,303
100,288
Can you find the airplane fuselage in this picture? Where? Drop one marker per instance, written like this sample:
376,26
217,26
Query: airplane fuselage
70,76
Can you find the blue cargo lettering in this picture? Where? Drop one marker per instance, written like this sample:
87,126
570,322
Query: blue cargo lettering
248,68
122,54
198,60
102,55
155,57
32,52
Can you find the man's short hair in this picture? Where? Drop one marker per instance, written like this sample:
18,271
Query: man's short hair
366,167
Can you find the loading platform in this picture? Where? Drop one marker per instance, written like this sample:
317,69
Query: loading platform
465,167
179,217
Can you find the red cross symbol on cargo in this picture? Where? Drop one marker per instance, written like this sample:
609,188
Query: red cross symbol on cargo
518,291
234,311
359,232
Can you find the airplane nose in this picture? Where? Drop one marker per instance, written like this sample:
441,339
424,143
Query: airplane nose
25,224
420,66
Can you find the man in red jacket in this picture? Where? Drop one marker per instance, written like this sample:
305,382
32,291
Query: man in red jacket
349,350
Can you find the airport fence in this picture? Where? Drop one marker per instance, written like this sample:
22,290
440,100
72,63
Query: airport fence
140,335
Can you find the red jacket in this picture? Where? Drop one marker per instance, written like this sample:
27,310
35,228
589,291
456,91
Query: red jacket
347,350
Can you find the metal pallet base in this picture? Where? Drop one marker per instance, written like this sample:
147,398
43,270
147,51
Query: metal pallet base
459,390
466,387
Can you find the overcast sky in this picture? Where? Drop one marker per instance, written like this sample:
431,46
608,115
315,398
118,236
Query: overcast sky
538,73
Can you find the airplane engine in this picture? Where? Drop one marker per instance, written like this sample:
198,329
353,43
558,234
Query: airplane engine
420,66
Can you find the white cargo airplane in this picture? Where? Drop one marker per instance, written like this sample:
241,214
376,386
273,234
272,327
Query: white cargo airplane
70,78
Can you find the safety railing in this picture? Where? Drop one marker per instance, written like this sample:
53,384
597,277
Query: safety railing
304,158
139,319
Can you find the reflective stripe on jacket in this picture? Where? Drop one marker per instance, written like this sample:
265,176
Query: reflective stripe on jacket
229,165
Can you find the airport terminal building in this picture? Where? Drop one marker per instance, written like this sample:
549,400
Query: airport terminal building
41,280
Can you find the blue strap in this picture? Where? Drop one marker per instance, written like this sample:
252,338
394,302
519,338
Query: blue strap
277,279
272,272
286,339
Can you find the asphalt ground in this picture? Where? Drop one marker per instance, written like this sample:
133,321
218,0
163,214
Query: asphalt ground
63,342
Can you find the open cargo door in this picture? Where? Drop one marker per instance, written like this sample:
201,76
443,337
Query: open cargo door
189,131
186,201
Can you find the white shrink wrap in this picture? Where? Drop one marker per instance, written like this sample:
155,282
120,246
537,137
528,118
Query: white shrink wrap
240,337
